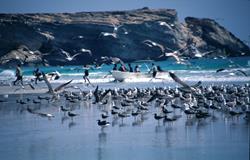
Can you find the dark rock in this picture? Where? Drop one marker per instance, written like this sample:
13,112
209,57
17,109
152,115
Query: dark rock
40,38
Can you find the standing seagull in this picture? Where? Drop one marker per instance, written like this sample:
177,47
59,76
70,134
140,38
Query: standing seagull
68,57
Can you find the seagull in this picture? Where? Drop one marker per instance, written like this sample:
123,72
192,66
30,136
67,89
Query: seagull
86,51
178,80
114,60
102,123
100,97
161,23
176,57
154,44
70,114
116,27
48,115
105,34
113,34
238,70
64,109
68,57
55,91
198,54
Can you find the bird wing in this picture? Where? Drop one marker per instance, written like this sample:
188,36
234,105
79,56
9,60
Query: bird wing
66,53
219,70
208,52
86,50
31,86
244,73
197,84
153,97
104,94
151,43
75,55
62,86
178,80
48,83
173,55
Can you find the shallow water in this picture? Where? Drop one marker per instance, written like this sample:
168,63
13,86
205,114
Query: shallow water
28,136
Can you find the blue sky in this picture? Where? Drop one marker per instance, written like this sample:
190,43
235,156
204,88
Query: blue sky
232,14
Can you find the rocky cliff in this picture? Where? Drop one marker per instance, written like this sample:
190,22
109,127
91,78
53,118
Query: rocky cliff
50,38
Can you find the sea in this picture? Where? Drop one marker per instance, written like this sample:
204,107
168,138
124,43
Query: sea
195,70
26,136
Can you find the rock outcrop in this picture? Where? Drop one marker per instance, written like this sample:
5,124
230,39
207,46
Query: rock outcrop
46,38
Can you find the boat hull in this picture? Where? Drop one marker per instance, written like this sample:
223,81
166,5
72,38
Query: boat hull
121,76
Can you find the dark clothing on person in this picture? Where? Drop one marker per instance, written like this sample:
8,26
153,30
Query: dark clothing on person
37,75
86,73
115,67
154,70
154,74
85,77
130,68
19,75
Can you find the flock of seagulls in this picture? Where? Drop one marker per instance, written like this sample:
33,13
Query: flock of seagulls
196,102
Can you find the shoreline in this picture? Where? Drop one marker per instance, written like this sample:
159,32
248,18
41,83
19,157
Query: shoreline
41,87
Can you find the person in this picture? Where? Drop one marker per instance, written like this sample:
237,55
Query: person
153,70
130,68
85,77
122,68
137,69
115,67
19,75
37,75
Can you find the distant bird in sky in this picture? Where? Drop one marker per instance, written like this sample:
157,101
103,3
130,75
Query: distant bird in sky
68,56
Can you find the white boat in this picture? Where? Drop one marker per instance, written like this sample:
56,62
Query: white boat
121,76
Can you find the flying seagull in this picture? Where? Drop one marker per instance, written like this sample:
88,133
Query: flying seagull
99,98
178,80
154,44
86,51
68,57
176,57
57,89
113,34
114,60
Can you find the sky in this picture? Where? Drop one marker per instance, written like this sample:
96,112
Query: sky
234,15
